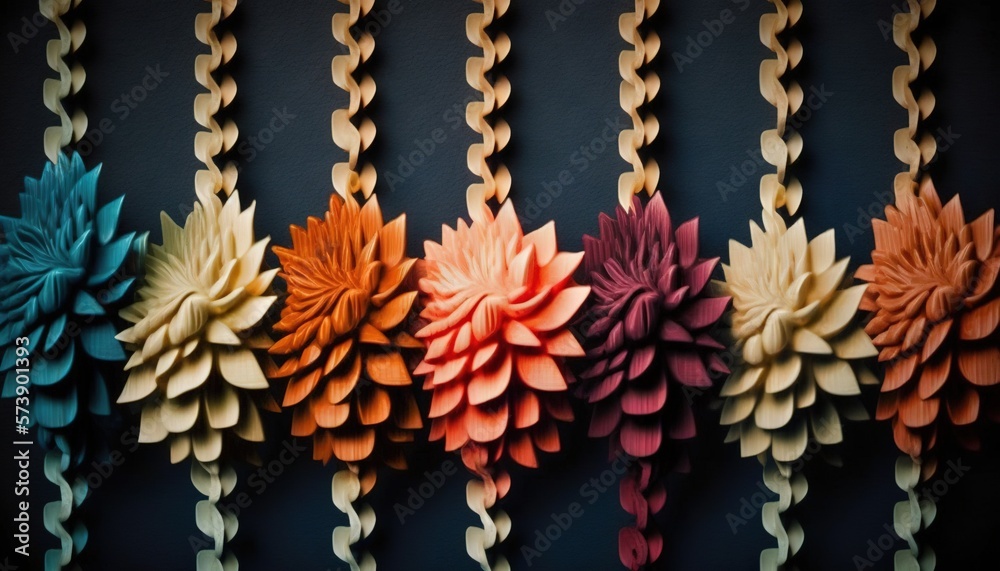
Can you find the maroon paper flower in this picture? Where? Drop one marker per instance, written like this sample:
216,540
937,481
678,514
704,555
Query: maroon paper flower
648,347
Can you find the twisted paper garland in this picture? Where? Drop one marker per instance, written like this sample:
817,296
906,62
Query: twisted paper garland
215,481
634,93
778,152
481,496
217,140
58,515
496,135
347,178
801,345
70,80
912,516
348,489
913,154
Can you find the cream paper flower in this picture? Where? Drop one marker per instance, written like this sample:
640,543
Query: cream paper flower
799,342
193,336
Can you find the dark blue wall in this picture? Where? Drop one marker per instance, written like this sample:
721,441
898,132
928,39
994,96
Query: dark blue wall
565,81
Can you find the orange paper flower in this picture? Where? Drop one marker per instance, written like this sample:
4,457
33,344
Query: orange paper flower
497,303
344,317
936,310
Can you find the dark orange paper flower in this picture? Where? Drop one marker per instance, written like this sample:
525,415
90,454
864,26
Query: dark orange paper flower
933,291
497,305
348,299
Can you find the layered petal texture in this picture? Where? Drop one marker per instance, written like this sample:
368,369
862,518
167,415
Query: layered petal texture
648,342
497,305
933,295
801,346
350,296
64,269
195,336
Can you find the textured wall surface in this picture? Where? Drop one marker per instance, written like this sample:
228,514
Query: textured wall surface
140,57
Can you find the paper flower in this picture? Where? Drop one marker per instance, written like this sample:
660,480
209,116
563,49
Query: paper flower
348,302
497,305
800,345
648,345
932,290
193,336
63,268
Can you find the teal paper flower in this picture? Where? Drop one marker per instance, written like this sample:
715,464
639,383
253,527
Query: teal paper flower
62,271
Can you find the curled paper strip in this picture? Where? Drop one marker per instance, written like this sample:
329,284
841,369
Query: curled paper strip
481,497
641,494
70,79
58,516
216,482
908,150
912,516
347,489
775,149
790,488
347,179
496,182
218,139
635,92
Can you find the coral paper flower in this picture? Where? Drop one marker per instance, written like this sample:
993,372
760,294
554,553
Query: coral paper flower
63,269
497,305
348,301
800,344
652,331
932,289
194,333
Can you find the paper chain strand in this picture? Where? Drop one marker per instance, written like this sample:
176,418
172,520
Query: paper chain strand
790,488
496,135
217,140
58,515
635,92
913,154
910,517
775,149
347,179
215,481
481,496
70,80
642,494
346,491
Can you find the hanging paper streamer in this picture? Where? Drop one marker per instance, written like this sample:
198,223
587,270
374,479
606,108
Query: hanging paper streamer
799,343
71,79
648,336
65,268
350,295
195,332
635,93
933,295
480,115
218,139
497,302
